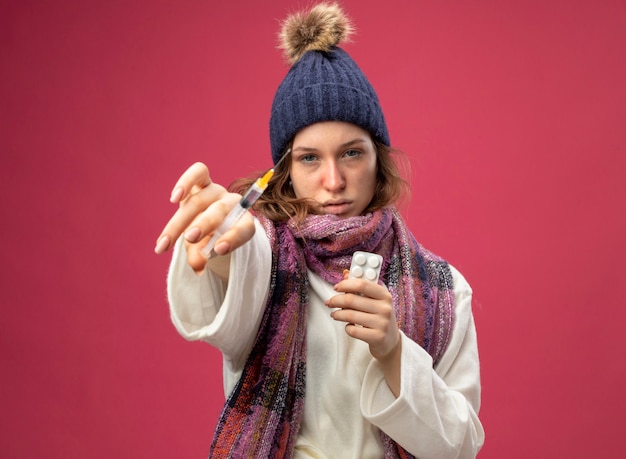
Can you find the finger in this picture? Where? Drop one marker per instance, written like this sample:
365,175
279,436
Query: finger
194,258
194,178
361,332
351,316
354,302
381,344
208,218
363,287
187,212
379,333
237,236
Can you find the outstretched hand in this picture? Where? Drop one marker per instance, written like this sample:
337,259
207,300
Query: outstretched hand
203,205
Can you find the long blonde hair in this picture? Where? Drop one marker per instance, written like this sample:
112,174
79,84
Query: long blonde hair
279,202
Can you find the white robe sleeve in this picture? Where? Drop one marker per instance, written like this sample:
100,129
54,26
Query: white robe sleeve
436,413
225,315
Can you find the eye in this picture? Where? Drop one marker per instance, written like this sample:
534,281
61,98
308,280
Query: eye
307,158
352,153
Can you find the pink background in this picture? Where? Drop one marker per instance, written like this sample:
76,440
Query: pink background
512,113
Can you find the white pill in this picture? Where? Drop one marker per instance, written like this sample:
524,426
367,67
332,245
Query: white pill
374,262
370,274
359,259
357,271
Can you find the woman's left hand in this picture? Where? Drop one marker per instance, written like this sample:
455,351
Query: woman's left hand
367,309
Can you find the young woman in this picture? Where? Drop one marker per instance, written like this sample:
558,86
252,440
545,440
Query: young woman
317,364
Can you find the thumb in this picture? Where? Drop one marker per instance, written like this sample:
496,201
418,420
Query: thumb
194,258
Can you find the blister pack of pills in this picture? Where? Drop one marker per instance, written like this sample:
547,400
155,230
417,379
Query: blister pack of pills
366,265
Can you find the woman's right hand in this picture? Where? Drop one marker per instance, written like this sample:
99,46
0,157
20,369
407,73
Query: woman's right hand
203,205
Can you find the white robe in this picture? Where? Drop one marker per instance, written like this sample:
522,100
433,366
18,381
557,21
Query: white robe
347,399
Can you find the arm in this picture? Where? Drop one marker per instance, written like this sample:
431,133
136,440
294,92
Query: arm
202,307
224,314
436,412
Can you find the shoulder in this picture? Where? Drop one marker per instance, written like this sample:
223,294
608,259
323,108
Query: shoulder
462,288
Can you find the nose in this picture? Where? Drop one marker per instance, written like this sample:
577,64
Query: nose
334,179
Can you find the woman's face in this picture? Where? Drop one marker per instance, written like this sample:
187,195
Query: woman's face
334,164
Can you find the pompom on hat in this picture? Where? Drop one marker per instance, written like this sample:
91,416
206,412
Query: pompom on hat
324,83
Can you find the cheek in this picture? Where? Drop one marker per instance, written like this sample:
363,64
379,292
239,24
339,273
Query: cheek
367,181
297,191
368,187
299,185
371,189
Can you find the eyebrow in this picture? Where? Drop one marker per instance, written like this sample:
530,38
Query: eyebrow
349,143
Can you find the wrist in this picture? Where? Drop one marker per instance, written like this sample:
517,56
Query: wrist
390,365
394,353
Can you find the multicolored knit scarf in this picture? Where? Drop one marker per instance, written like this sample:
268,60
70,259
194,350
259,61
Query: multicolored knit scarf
262,416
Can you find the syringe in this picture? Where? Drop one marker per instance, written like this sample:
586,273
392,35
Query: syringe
248,199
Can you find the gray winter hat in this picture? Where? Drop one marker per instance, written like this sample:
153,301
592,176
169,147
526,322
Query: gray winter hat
324,83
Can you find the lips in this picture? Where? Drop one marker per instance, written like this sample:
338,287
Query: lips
336,207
